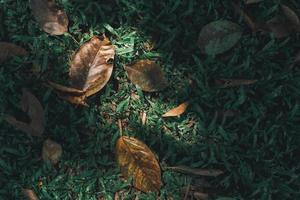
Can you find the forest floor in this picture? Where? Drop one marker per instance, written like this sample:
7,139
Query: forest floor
250,132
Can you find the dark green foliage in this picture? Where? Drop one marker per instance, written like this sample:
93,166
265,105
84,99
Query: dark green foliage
258,147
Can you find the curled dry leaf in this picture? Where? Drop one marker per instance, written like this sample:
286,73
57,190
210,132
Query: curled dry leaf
30,194
90,70
72,95
194,171
136,160
224,83
177,111
32,107
8,50
218,37
52,19
148,75
52,151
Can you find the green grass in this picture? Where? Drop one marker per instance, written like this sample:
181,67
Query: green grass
258,149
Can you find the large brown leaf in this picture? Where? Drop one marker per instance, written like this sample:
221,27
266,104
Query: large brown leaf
136,160
92,65
51,152
32,107
90,70
52,19
8,50
148,75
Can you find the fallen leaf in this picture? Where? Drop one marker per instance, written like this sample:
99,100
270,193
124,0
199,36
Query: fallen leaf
291,17
51,152
177,111
30,194
52,19
92,65
195,171
253,1
148,75
285,23
224,83
8,50
32,107
251,24
69,94
136,160
90,70
218,37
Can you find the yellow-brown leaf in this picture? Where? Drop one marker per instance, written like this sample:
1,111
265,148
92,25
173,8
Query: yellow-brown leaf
177,111
136,160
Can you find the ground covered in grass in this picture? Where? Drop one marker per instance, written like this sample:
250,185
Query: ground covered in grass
249,132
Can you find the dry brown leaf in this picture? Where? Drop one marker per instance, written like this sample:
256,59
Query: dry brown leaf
253,1
92,65
136,160
69,94
52,19
177,111
32,107
90,70
148,75
8,50
234,82
30,194
195,171
51,152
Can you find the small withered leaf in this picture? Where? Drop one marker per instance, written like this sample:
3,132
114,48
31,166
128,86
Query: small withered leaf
8,50
136,160
92,65
52,151
32,107
52,19
147,75
177,110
